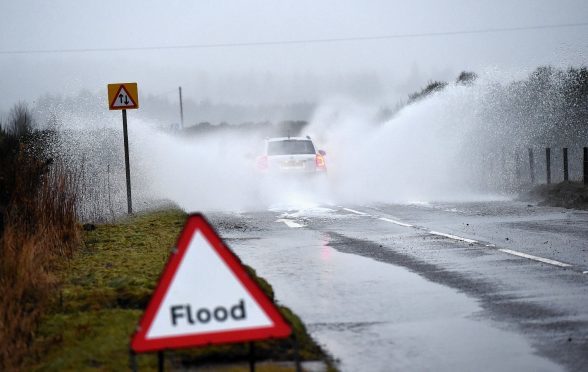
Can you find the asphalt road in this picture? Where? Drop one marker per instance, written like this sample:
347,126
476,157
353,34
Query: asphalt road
484,286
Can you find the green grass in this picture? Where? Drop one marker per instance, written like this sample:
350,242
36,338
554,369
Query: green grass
104,290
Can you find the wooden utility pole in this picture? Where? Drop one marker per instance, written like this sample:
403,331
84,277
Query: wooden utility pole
181,110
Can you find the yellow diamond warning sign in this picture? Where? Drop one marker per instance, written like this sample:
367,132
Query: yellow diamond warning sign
122,96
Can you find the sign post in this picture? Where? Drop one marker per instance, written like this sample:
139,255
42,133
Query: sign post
123,96
127,162
205,296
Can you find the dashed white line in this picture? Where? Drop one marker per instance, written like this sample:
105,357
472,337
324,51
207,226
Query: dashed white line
290,223
454,237
396,222
584,272
356,212
535,258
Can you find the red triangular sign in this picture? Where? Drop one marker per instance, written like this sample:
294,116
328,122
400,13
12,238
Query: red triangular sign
122,99
205,296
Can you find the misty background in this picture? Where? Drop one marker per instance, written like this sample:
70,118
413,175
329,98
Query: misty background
279,77
379,85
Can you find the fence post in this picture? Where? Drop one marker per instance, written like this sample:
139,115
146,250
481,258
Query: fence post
517,166
532,165
585,165
548,164
565,164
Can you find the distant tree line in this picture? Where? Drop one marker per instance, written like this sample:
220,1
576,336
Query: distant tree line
263,129
464,78
164,110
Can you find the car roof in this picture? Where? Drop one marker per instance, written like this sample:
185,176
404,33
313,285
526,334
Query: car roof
274,139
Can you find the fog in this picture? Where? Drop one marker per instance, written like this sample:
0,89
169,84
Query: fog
337,64
62,48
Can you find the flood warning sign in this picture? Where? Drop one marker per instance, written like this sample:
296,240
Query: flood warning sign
205,296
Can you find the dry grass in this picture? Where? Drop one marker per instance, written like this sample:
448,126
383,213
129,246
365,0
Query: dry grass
39,228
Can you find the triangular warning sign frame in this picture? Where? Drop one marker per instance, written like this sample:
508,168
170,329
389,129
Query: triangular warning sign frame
198,223
112,104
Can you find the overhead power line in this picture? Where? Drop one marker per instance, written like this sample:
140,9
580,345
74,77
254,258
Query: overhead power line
301,41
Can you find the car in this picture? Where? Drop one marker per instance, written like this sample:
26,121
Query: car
291,156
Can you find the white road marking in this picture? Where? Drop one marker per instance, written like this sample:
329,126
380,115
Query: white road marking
455,237
396,222
290,223
584,272
356,212
535,258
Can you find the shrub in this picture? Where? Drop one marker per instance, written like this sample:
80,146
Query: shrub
432,87
38,227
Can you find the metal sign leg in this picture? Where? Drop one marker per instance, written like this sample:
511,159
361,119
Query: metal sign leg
133,360
160,361
251,357
296,354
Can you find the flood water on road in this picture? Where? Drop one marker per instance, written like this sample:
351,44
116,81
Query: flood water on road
378,316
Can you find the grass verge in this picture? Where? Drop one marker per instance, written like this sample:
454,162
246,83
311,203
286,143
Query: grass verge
564,194
107,285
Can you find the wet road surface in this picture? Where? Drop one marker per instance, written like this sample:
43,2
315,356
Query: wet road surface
462,286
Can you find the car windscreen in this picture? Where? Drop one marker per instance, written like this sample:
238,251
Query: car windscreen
290,147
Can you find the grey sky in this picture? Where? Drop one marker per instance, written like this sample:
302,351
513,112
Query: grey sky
370,69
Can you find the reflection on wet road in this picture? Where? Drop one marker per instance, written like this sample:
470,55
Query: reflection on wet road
413,287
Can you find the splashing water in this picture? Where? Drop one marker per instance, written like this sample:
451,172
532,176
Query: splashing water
463,143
